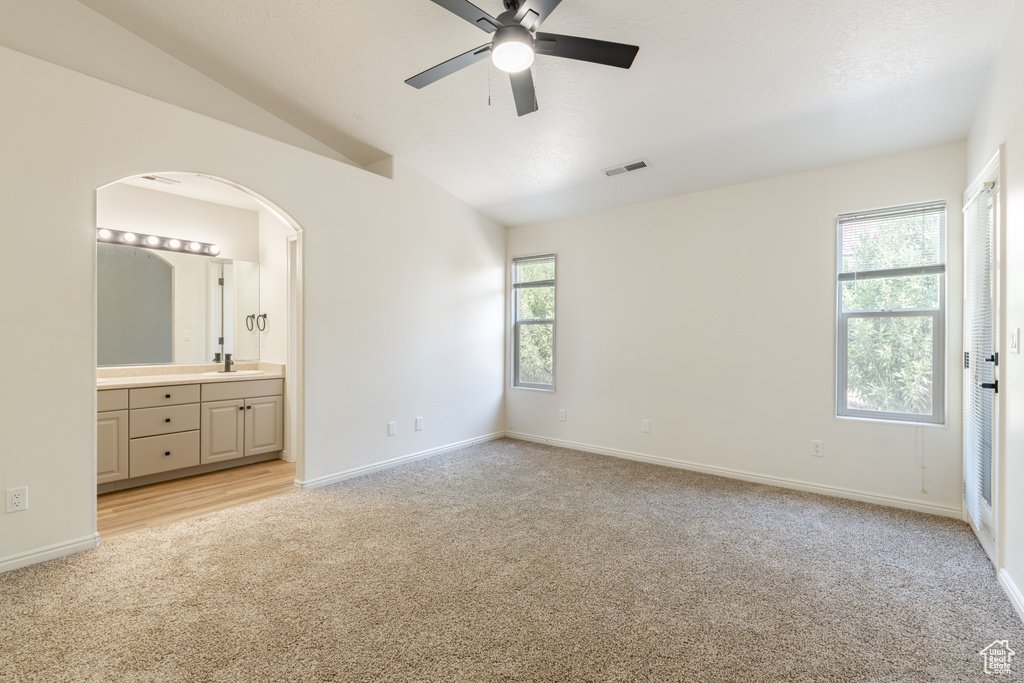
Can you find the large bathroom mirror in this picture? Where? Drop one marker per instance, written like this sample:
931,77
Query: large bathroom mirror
157,307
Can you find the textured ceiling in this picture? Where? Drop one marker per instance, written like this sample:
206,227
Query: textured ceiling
720,92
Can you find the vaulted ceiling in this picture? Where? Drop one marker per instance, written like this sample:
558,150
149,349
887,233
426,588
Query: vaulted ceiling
720,92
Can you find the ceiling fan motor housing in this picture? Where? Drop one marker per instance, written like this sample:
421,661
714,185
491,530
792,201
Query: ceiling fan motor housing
511,33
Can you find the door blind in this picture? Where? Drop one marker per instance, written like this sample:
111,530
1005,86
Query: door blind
978,350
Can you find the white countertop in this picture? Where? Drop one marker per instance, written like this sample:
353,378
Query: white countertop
130,380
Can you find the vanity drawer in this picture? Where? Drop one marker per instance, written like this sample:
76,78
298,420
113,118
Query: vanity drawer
162,453
231,391
111,399
150,397
153,421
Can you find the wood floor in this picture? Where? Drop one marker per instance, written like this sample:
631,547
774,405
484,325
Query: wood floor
122,512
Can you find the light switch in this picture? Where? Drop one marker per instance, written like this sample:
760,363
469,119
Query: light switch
1015,341
187,335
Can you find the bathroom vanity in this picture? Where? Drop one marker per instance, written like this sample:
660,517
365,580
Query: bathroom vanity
151,428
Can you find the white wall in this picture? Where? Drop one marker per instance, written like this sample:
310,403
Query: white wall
1000,121
135,209
274,287
404,291
713,315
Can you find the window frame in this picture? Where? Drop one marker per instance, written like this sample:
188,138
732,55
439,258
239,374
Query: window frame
517,323
936,313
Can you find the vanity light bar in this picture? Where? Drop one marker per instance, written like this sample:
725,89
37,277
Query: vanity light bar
155,242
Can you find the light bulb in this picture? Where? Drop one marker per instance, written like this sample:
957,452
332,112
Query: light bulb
129,237
152,240
195,246
174,244
214,249
105,234
512,56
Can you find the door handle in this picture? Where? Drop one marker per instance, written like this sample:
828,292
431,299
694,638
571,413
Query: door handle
994,358
991,385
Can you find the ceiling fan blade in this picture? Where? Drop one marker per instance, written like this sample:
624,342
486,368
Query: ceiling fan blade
523,92
471,13
436,73
586,50
532,12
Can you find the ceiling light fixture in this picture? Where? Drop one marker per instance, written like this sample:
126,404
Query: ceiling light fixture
512,49
155,242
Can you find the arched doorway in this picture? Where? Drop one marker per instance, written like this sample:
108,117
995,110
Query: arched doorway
237,290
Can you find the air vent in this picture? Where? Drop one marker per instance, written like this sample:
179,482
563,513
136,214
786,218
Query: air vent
161,179
627,168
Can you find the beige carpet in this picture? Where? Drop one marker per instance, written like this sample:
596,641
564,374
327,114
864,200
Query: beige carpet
514,561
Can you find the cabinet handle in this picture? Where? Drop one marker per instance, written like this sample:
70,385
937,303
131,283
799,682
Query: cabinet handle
167,420
241,407
167,396
167,453
248,407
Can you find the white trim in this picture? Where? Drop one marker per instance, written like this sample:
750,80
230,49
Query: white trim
834,491
48,552
329,479
990,169
1012,592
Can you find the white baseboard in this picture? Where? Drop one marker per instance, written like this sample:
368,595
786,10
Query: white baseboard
1012,592
834,491
48,552
386,464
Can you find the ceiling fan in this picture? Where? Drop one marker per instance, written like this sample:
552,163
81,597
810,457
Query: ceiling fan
515,43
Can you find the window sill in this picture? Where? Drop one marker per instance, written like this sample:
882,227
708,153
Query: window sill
891,422
550,391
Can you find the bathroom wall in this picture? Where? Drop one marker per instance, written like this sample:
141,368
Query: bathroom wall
135,209
274,287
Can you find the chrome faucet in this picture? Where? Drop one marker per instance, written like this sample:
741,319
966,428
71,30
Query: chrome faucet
228,363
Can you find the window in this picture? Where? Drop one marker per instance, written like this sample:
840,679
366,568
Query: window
533,303
891,302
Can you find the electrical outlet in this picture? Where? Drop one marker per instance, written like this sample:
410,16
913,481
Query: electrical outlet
17,499
645,426
392,428
419,423
561,414
818,449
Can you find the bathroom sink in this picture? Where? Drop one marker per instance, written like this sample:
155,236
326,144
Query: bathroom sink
236,372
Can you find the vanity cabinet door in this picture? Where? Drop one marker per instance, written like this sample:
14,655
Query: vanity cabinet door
264,425
111,446
222,427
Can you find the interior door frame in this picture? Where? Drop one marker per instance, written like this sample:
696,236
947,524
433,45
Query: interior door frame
993,172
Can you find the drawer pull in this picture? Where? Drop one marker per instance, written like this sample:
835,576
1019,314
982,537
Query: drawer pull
167,420
167,453
167,396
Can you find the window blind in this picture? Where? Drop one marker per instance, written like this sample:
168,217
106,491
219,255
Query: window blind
900,240
978,345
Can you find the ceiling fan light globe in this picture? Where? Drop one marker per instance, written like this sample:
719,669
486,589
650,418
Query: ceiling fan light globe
512,56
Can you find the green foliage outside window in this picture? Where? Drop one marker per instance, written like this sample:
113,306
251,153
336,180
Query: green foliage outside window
889,358
536,339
